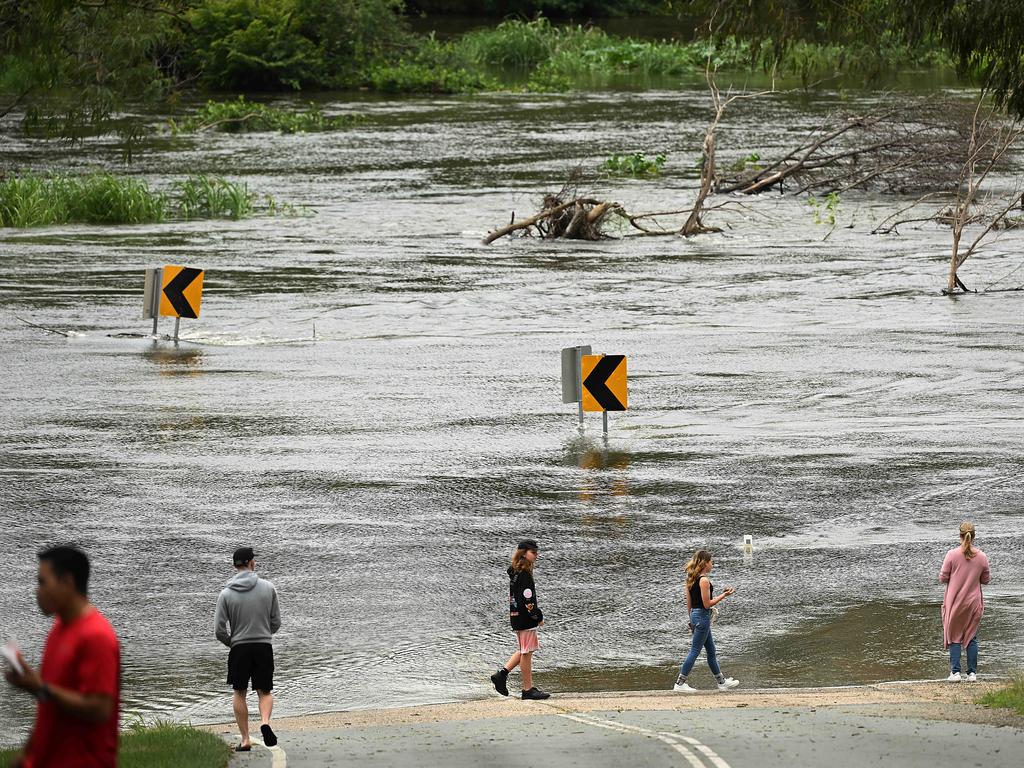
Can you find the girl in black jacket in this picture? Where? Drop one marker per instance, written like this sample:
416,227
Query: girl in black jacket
525,617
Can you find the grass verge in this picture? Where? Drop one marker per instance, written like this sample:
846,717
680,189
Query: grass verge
1010,697
163,745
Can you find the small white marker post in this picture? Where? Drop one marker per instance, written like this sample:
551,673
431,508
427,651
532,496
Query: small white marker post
748,544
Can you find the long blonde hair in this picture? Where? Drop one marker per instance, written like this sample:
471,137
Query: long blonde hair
695,568
967,534
520,562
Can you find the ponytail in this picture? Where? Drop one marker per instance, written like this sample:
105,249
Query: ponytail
967,534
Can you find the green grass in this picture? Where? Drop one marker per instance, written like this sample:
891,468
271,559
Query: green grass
164,745
1010,697
241,116
31,200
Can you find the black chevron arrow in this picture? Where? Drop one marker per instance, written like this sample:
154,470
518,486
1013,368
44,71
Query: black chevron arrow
596,384
174,291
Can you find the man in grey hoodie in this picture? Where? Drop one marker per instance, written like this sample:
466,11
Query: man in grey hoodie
247,616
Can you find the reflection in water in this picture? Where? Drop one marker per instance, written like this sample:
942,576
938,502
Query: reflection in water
175,359
595,454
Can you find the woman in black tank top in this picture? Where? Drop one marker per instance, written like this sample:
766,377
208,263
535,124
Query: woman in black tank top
699,602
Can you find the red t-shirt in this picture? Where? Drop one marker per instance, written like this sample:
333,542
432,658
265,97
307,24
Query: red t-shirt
83,656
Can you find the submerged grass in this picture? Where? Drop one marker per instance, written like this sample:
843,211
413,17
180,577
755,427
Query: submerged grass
31,200
1010,697
163,745
242,116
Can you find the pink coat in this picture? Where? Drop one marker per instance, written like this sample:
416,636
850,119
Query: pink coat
963,605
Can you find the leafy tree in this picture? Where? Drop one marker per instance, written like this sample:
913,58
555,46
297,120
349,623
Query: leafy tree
984,37
88,56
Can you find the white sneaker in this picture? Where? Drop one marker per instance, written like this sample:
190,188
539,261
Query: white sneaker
684,688
971,677
954,677
729,683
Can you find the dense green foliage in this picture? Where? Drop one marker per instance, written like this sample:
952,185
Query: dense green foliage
243,116
578,9
144,51
164,745
1010,697
291,44
30,200
984,38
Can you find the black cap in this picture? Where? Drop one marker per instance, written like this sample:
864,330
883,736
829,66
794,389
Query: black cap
243,555
527,544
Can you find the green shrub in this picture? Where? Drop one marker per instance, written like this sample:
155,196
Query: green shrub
290,44
635,164
242,116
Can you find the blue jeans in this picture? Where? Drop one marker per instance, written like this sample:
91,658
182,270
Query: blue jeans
701,620
972,656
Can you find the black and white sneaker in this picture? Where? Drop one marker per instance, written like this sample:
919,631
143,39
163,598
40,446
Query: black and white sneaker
536,694
500,680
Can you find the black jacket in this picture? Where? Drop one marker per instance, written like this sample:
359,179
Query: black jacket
522,600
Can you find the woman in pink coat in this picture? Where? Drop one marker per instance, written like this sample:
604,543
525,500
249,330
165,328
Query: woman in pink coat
963,572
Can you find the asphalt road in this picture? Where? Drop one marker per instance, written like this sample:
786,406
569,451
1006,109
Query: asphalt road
740,737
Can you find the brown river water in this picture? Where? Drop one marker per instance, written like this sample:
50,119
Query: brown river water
371,399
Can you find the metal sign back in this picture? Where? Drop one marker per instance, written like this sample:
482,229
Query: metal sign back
572,390
151,294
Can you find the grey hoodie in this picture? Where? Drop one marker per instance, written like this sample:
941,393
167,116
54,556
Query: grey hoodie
249,604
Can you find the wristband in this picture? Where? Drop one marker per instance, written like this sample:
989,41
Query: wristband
43,694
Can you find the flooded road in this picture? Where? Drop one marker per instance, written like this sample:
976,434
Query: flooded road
371,399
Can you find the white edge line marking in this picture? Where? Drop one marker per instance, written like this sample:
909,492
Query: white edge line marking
279,758
691,758
712,757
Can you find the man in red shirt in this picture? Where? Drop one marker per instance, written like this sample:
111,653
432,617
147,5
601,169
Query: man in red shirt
79,684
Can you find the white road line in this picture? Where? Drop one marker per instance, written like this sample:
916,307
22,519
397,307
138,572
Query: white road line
597,722
278,757
710,753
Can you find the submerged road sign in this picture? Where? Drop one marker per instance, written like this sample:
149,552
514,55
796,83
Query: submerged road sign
182,292
604,383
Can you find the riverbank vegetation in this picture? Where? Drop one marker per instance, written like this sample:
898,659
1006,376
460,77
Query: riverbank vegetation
243,116
164,745
151,52
32,200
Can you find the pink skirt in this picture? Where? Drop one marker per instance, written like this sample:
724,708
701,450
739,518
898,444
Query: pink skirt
528,642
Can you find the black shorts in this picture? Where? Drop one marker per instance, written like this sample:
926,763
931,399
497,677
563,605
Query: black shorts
251,660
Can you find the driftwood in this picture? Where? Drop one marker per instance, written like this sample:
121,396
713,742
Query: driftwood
904,148
577,219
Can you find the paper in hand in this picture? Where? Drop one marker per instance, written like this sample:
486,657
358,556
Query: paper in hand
10,655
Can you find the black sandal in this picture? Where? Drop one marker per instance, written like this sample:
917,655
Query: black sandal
240,748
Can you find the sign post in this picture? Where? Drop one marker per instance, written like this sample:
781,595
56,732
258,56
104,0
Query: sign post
604,385
594,382
172,291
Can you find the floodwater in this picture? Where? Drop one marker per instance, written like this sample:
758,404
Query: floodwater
371,399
